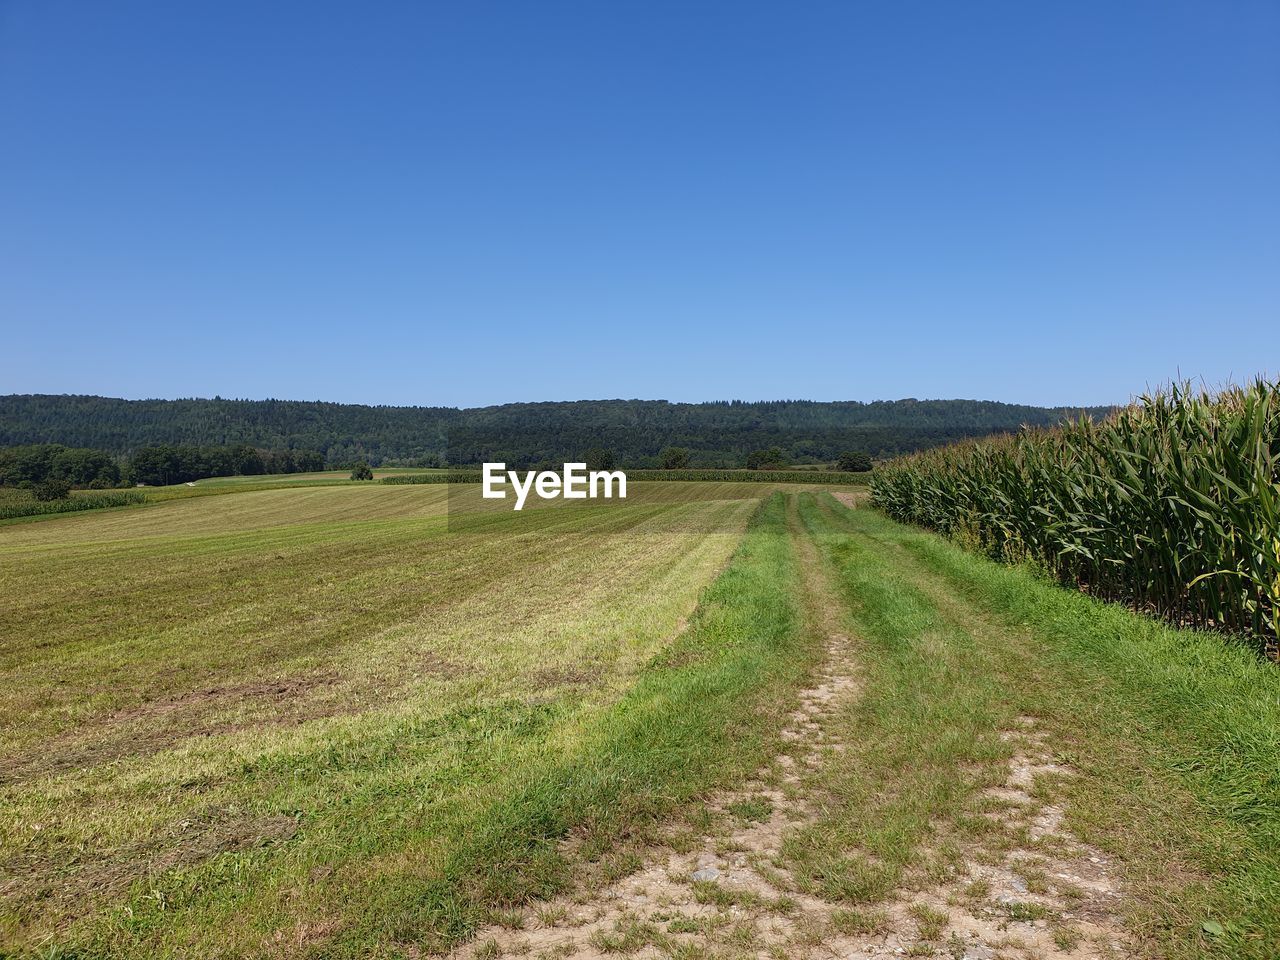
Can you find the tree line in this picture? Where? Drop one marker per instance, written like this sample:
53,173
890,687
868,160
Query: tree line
719,434
50,467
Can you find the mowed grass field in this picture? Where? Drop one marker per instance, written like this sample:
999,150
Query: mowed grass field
250,723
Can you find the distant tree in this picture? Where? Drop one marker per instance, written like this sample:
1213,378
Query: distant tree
52,489
598,458
28,465
310,460
673,458
771,459
362,471
855,461
161,464
247,461
153,466
81,467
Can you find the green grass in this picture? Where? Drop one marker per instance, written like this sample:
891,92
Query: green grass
730,484
315,717
1175,736
19,506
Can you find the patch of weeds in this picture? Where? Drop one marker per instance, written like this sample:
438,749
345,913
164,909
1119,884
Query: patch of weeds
629,934
507,919
809,932
687,925
614,868
690,951
684,841
1069,891
982,828
784,905
702,821
728,845
930,921
752,810
552,916
709,892
1033,875
853,922
942,865
1025,912
855,880
770,874
742,936
938,870
489,950
1065,937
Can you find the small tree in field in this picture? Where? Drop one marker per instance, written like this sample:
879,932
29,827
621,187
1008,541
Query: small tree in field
52,489
362,471
854,461
771,459
673,458
598,458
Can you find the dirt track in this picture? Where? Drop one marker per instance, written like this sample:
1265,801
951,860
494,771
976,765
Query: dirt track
728,892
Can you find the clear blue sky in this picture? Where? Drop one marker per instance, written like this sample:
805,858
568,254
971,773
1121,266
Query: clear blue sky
474,202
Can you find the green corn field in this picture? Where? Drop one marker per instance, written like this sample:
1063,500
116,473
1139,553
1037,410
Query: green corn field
1171,504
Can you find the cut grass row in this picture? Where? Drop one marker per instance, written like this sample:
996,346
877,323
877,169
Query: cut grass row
704,713
262,508
19,506
323,737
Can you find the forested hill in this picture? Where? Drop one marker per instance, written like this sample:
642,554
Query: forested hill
716,434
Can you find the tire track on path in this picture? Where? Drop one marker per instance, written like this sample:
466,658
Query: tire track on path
725,890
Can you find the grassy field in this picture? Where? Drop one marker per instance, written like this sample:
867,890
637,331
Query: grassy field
311,719
20,506
274,704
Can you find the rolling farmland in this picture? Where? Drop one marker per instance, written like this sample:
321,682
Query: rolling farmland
203,675
663,481
312,718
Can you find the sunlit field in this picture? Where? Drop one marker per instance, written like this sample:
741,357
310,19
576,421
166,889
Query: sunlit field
274,703
328,719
